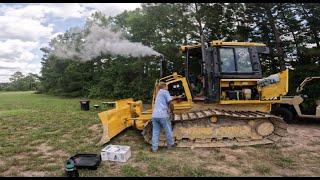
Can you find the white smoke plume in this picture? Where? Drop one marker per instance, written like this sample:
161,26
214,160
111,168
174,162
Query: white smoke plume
99,41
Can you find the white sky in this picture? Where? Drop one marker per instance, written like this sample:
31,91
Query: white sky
25,28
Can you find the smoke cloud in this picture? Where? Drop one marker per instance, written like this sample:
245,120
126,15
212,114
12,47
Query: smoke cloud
99,41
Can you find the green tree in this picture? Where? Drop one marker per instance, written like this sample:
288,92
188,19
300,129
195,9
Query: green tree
20,82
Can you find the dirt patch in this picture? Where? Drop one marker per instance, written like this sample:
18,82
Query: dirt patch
234,156
67,136
2,162
47,151
60,153
116,167
202,153
36,142
26,128
295,155
10,119
21,156
96,134
95,128
44,148
32,174
242,152
302,137
224,169
12,171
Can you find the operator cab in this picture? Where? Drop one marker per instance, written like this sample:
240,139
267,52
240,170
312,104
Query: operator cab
194,73
227,61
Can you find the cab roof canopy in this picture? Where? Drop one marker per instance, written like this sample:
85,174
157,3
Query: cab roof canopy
221,43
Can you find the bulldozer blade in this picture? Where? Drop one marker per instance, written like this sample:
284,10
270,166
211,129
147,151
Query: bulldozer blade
116,120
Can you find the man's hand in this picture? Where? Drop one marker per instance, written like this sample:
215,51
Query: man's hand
177,97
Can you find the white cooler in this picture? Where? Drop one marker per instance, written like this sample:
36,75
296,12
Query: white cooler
116,153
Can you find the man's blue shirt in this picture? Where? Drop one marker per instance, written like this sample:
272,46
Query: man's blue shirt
161,105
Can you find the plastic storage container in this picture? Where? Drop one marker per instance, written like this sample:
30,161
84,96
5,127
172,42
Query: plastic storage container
116,153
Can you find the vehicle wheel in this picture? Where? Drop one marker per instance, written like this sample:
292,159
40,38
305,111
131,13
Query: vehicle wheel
285,113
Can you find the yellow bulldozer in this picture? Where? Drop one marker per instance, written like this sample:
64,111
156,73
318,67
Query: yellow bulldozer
231,109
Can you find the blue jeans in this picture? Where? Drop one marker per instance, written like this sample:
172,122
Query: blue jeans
157,123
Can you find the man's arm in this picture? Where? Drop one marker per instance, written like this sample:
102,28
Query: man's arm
176,97
171,104
169,100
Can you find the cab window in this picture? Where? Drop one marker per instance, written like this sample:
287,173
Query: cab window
227,60
235,60
243,60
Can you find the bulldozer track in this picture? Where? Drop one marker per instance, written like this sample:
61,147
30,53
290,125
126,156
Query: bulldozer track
227,119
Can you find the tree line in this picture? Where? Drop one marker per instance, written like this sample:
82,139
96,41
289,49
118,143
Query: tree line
290,30
21,82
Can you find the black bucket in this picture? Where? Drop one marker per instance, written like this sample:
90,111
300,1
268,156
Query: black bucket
84,105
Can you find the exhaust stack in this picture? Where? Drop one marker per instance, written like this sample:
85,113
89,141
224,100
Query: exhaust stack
163,66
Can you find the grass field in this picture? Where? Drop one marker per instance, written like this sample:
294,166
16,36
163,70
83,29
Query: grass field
39,132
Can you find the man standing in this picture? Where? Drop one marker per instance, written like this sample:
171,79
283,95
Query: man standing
161,117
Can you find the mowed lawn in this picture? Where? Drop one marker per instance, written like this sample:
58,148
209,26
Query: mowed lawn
39,132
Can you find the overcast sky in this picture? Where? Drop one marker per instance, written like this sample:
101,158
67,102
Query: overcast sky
25,28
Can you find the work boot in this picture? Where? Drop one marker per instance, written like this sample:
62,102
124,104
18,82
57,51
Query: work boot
171,146
153,151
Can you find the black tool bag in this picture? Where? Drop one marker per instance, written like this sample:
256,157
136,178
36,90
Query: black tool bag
86,161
